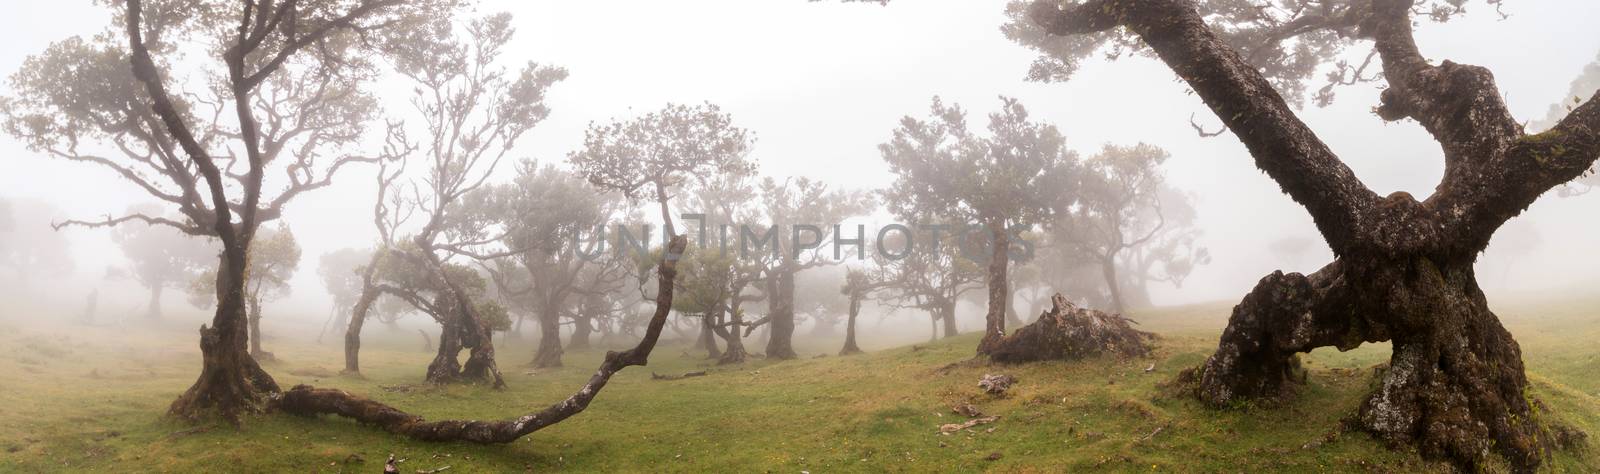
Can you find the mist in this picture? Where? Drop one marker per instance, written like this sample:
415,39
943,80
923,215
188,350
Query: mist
1114,185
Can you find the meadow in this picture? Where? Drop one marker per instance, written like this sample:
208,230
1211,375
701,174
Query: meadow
93,399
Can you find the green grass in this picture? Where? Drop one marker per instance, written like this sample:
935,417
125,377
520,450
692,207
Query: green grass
93,401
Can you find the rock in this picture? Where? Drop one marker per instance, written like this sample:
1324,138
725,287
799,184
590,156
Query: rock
996,384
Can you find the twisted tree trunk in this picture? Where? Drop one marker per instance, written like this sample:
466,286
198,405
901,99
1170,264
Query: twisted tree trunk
850,346
352,334
311,401
708,337
780,342
231,383
582,328
947,315
1454,387
549,353
731,335
255,332
995,320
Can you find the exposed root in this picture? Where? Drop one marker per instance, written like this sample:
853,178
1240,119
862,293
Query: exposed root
1068,332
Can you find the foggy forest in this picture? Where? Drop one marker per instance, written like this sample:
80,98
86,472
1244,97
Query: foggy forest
802,236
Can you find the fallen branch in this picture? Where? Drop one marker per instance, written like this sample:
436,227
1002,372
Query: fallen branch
954,427
697,373
311,401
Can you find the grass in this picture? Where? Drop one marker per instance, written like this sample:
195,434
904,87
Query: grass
93,400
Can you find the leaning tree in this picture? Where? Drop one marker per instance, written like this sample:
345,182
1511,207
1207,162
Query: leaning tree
999,185
1455,386
288,95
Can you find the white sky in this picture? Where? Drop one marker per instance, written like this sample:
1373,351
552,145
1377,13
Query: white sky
821,84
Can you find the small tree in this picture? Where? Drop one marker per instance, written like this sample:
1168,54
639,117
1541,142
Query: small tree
1003,183
804,215
1118,220
474,112
926,273
162,257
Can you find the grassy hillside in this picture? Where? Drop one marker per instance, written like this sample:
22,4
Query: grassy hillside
93,400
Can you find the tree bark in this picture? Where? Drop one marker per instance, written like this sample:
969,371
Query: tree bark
358,318
582,328
850,346
947,315
780,344
255,332
995,320
549,353
1455,387
231,383
708,337
310,401
154,310
732,336
1108,269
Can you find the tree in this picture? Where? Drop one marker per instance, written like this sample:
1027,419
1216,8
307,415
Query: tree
730,277
1455,386
162,257
1003,184
342,279
292,77
273,259
27,246
1118,220
474,112
306,400
857,286
655,155
799,211
1585,85
925,273
543,211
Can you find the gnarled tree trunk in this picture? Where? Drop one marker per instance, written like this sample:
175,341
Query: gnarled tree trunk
708,337
780,342
731,335
231,383
549,353
352,334
582,328
255,332
1455,387
850,346
994,328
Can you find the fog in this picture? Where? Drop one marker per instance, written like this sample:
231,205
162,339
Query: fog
821,85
